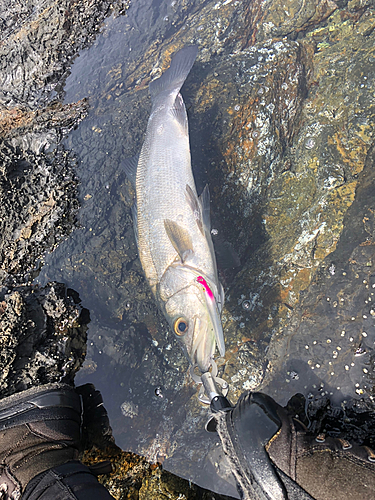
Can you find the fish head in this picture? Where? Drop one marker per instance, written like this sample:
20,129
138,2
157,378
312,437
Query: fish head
194,317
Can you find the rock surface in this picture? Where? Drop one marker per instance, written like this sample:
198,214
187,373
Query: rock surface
281,116
43,337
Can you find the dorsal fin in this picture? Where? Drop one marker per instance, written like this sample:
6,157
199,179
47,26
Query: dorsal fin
178,111
204,199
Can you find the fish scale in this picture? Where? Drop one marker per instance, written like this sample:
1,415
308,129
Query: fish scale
172,223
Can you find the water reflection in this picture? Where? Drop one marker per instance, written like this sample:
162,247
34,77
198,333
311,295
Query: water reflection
131,356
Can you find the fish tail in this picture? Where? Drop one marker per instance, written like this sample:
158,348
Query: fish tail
173,78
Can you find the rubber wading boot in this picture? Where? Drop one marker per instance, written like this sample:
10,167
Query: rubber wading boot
39,429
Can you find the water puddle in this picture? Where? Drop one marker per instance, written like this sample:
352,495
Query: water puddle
132,357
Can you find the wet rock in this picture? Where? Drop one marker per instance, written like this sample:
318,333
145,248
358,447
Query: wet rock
281,118
259,93
39,42
162,484
335,362
38,207
136,479
299,218
43,337
279,20
38,130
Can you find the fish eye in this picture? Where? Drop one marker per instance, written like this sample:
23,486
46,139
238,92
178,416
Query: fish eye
180,326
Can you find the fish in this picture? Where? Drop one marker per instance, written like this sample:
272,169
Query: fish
172,223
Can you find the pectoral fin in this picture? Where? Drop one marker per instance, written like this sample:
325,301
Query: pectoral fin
179,238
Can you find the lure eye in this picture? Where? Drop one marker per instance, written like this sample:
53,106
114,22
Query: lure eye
180,326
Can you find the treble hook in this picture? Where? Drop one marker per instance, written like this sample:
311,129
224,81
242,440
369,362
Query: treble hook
212,385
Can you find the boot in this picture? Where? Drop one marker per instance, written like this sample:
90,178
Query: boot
39,429
326,467
273,456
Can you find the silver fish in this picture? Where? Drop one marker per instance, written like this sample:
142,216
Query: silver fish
172,224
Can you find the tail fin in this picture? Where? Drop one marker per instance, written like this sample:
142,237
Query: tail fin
174,77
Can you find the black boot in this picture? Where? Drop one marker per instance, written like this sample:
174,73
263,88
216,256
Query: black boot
244,433
40,431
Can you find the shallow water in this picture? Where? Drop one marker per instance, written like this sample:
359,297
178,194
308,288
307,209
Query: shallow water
132,358
142,377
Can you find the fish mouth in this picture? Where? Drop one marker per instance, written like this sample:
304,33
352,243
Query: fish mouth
200,345
207,334
204,344
213,312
